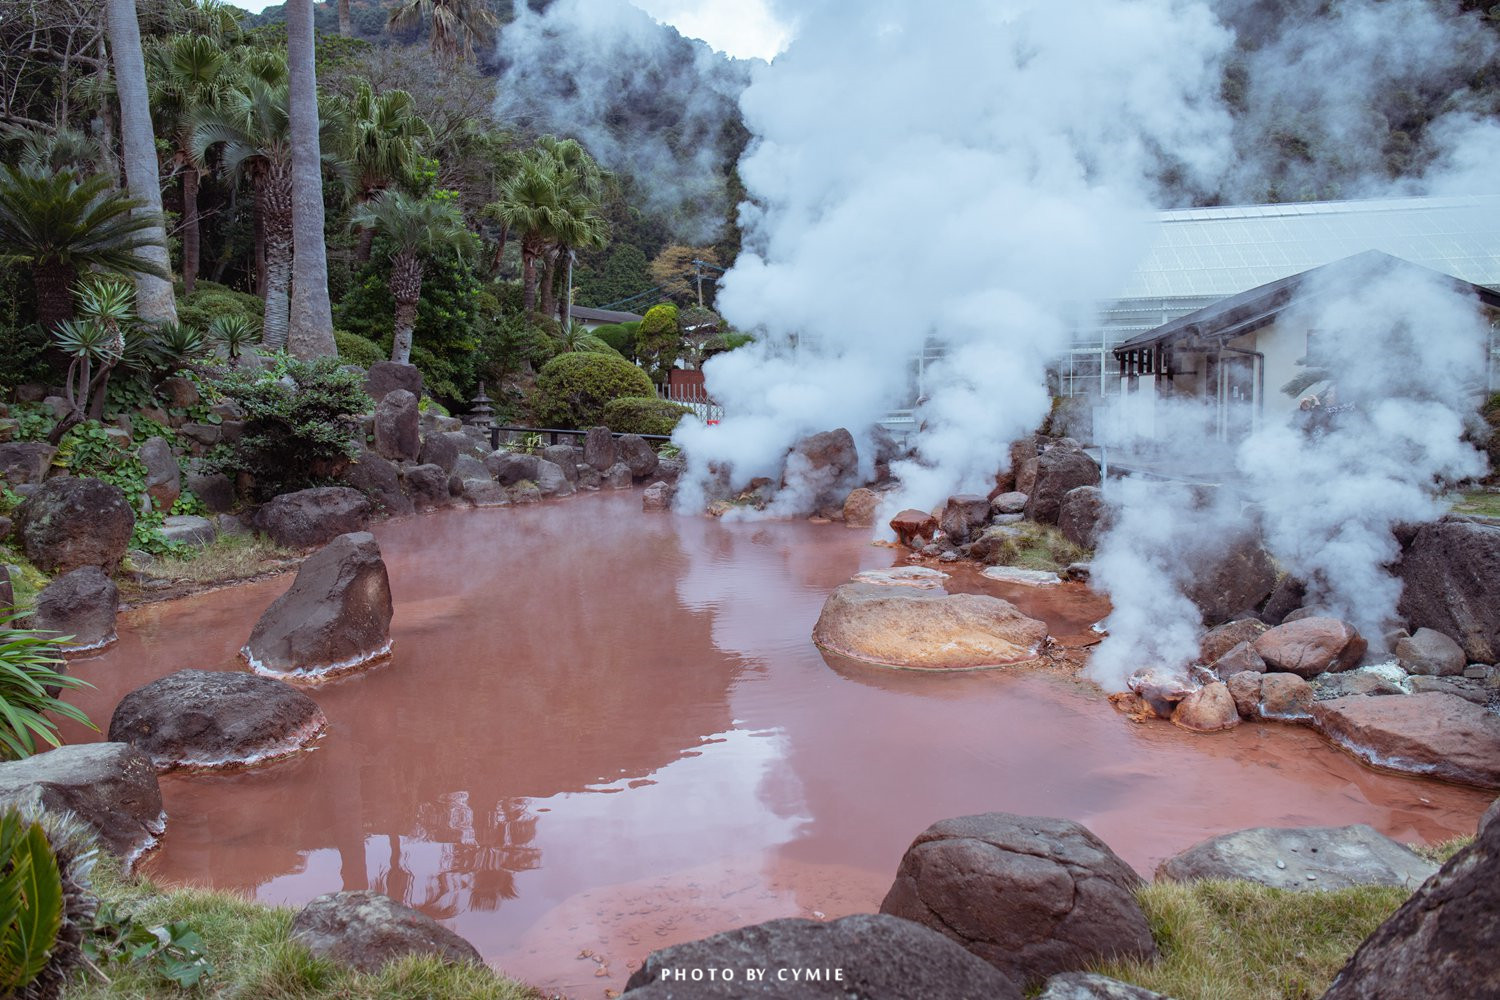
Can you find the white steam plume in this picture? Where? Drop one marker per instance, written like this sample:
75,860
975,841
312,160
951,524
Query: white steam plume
645,101
970,172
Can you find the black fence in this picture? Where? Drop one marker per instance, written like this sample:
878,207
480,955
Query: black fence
553,433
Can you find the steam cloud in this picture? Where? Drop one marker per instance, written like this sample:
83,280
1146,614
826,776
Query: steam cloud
973,174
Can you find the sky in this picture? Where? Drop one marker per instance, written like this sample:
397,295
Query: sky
742,28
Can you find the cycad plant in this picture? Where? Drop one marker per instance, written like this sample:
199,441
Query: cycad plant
94,343
234,332
30,669
47,902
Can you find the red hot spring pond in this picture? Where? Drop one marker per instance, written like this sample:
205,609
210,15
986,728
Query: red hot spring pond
607,731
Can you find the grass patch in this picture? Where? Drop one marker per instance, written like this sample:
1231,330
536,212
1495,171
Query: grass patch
224,559
1482,502
1242,941
254,959
1028,545
1439,853
26,581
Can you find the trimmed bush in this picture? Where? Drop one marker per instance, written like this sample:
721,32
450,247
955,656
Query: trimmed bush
573,389
643,415
208,303
357,350
620,336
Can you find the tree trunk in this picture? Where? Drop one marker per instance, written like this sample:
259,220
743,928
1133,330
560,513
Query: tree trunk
549,304
54,292
277,199
500,248
153,295
346,26
528,276
310,334
190,233
362,247
406,289
260,237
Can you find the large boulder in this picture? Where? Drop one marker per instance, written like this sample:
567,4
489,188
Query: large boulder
313,517
658,497
1311,646
565,457
380,479
822,468
1450,574
963,514
427,485
866,956
365,930
1230,577
618,477
335,617
552,481
1432,733
396,435
212,719
511,467
23,462
912,527
1209,709
70,522
1081,516
110,786
482,492
386,376
636,453
1431,653
215,489
1031,895
1441,942
163,475
907,627
860,507
1220,639
599,449
443,448
82,604
1301,858
1059,470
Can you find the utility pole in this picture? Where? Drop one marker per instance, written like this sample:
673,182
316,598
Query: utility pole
698,276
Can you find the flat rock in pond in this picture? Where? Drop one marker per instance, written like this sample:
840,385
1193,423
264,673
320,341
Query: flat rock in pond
881,958
908,627
1433,734
210,718
110,786
1301,858
903,576
335,617
365,930
1026,577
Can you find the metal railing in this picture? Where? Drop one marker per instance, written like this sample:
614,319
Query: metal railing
552,434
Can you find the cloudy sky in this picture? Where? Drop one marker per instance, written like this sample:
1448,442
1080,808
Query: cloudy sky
742,28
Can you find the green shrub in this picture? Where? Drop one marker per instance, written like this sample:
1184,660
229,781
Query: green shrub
295,436
573,389
643,415
619,336
357,350
47,902
30,665
210,301
658,342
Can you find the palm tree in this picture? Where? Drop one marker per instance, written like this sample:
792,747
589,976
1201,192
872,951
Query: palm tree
63,226
528,204
415,228
310,334
191,74
346,24
576,226
155,301
386,139
455,24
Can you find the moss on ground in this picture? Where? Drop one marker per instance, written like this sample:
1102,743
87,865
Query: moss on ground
224,560
1243,941
1030,545
1482,502
254,959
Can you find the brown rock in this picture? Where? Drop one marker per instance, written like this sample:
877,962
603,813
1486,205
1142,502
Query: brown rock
1030,895
1240,658
81,603
1162,689
70,522
658,497
313,517
1450,574
599,450
636,453
1286,697
823,466
910,525
1230,577
1209,709
25,462
110,786
396,435
1244,688
386,376
1058,471
1435,734
1309,646
904,626
860,507
1222,638
962,514
1082,516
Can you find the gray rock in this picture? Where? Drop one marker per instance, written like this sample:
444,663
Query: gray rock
825,466
206,435
1032,896
468,467
313,517
380,480
962,515
1092,986
1081,517
484,492
163,476
441,449
618,477
178,393
434,423
881,958
81,603
658,497
1450,574
1058,471
230,526
1432,653
25,461
1441,942
668,470
565,457
365,930
589,477
551,480
110,786
1460,687
599,450
189,529
1301,858
427,485
396,435
67,523
1231,575
525,492
633,450
335,617
385,376
1009,503
210,719
1287,596
511,467
215,489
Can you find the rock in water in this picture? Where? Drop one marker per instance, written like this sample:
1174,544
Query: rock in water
1338,856
1441,942
312,517
110,786
1031,895
82,604
911,525
860,506
1310,646
880,958
907,627
658,497
1433,733
211,719
1450,574
336,617
70,522
365,930
1209,709
427,485
823,467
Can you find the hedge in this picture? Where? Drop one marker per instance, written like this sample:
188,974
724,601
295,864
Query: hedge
643,415
357,350
210,301
573,389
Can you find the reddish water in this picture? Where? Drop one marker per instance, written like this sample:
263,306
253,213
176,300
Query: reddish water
608,731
